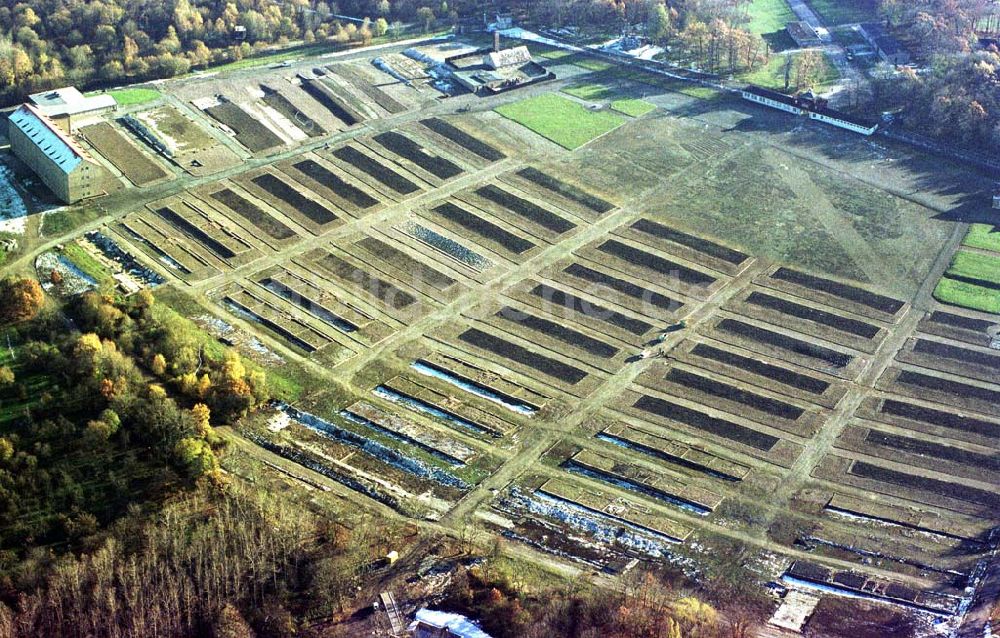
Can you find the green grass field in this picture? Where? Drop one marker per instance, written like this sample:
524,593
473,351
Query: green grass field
633,107
772,74
86,262
128,97
768,16
983,236
567,123
592,91
971,265
835,12
966,295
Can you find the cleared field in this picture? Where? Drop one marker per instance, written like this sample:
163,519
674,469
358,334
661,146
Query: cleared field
253,213
977,268
935,486
969,329
250,132
708,386
485,230
280,323
377,170
519,354
331,102
701,421
558,331
839,291
413,432
834,12
410,268
326,180
968,295
463,139
938,421
565,190
197,225
778,342
408,149
633,107
592,276
947,391
133,163
526,209
563,300
344,271
698,244
281,104
647,441
564,121
167,129
660,266
290,200
448,247
778,374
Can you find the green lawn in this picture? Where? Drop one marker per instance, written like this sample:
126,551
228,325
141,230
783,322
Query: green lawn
978,266
128,97
834,12
560,119
633,107
86,262
772,74
592,91
983,236
966,295
768,16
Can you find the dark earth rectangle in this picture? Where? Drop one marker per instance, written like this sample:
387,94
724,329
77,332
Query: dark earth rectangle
785,307
319,93
725,391
784,342
774,373
382,290
332,181
934,486
568,191
380,172
198,234
706,423
837,289
951,387
559,332
656,264
303,122
934,450
940,418
405,147
463,139
249,131
695,243
419,271
523,208
253,213
483,228
283,191
964,355
625,287
958,321
326,315
514,352
590,309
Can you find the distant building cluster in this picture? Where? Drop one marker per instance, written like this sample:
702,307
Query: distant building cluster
496,70
41,135
811,106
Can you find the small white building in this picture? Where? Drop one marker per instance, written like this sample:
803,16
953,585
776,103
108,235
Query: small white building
69,109
515,57
441,624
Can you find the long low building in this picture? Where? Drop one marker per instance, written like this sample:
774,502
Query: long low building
62,164
812,107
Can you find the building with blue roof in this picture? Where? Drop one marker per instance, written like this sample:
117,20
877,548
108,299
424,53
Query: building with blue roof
58,160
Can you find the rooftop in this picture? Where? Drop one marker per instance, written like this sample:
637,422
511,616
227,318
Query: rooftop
57,146
69,101
508,57
883,39
456,624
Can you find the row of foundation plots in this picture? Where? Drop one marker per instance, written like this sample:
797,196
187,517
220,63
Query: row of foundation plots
911,482
340,297
279,113
637,480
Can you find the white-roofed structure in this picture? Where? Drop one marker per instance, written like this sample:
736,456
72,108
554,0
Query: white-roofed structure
441,624
70,109
62,164
517,56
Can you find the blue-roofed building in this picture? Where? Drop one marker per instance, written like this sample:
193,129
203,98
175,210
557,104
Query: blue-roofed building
441,624
62,164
